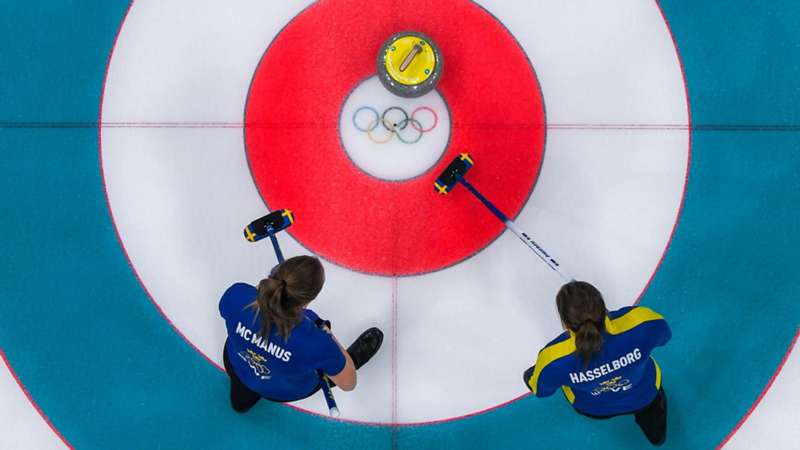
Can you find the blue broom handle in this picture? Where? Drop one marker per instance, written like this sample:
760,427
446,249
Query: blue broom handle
527,240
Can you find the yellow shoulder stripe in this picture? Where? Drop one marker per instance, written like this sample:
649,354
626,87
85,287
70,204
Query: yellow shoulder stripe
548,355
569,394
658,373
631,319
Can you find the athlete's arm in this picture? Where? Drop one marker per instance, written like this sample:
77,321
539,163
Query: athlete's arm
346,378
653,326
543,378
527,375
540,383
664,334
232,298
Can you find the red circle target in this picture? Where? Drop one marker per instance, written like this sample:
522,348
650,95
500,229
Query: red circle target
379,226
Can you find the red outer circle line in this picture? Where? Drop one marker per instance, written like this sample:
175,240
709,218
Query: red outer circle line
108,202
688,156
763,391
32,401
313,413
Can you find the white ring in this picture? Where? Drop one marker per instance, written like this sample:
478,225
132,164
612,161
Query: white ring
605,203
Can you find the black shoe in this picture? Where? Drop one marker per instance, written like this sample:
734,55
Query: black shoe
243,405
365,346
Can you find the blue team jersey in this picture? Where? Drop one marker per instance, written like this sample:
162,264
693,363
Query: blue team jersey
621,378
277,369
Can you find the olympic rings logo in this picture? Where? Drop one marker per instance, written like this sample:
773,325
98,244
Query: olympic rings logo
395,121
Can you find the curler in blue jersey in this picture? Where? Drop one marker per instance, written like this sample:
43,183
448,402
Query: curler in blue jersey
269,226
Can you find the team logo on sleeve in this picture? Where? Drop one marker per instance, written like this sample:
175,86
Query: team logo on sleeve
256,362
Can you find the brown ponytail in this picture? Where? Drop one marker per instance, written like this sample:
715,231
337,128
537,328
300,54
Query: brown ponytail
583,311
289,288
